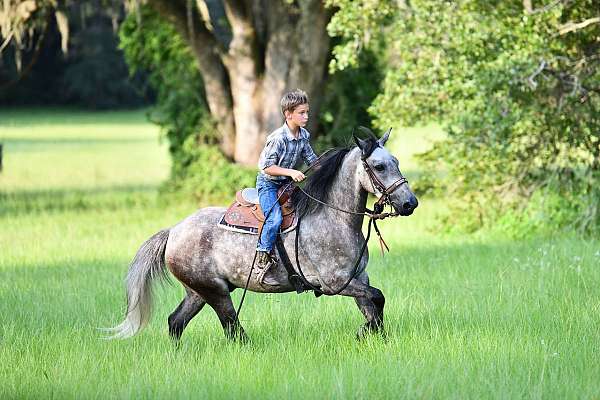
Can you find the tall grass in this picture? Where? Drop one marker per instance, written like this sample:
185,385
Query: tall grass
475,317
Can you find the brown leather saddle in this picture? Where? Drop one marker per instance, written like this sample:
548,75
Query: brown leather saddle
244,215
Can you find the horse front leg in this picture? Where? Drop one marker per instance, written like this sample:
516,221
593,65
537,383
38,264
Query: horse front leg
370,302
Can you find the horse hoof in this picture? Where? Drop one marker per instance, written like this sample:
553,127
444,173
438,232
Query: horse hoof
363,332
368,330
240,338
244,339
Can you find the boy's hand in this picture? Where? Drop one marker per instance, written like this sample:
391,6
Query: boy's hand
297,176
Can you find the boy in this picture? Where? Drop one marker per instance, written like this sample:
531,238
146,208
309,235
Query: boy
284,147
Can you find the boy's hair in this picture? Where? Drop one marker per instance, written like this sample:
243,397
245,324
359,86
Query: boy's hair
293,99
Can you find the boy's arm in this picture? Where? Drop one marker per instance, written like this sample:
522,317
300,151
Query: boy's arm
276,170
269,158
308,155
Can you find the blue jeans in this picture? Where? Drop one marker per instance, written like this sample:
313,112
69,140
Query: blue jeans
267,196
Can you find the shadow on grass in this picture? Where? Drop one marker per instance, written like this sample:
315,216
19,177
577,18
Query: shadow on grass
35,116
23,145
106,198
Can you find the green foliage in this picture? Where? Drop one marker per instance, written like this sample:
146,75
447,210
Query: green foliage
206,175
198,167
355,70
359,24
518,96
346,98
152,44
96,75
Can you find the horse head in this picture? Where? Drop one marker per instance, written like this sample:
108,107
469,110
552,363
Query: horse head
380,173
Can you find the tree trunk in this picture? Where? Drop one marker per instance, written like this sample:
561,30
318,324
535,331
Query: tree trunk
274,47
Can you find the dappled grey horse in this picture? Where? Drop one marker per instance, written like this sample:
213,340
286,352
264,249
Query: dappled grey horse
210,262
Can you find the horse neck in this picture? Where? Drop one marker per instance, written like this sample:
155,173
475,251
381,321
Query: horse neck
346,193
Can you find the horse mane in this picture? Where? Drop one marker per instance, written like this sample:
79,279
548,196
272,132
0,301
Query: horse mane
318,183
324,171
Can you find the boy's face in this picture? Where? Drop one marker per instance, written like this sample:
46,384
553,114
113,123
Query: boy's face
299,116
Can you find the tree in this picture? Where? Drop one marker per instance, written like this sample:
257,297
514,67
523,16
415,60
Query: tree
149,43
24,24
88,69
247,61
515,85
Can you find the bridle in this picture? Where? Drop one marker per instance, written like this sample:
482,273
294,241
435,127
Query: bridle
385,192
381,188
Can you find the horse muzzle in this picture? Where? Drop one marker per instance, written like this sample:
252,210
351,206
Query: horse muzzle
406,207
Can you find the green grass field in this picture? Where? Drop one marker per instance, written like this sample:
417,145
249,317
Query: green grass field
467,317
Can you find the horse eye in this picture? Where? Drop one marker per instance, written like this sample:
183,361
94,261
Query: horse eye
379,167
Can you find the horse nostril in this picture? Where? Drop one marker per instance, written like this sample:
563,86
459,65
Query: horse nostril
411,204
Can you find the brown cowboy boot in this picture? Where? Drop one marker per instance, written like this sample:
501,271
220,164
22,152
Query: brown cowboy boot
268,260
265,260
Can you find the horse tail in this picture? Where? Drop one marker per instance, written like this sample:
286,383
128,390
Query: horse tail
148,264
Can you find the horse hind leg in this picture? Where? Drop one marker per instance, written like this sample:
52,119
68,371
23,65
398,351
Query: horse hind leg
189,307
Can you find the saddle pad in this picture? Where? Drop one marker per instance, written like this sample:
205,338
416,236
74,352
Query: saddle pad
245,215
239,218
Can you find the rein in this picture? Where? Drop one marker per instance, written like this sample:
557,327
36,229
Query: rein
376,214
373,215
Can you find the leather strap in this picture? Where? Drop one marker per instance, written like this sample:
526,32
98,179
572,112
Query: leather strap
293,277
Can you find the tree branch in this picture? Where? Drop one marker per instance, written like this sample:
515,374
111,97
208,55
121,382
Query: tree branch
7,41
571,26
36,55
571,80
243,44
205,14
237,11
537,71
209,54
177,13
548,7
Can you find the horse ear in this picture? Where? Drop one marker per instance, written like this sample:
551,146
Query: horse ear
362,144
385,138
367,131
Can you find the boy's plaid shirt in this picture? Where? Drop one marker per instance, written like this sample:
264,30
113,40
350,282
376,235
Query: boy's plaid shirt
284,150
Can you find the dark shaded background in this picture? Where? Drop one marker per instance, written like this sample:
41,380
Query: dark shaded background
92,74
